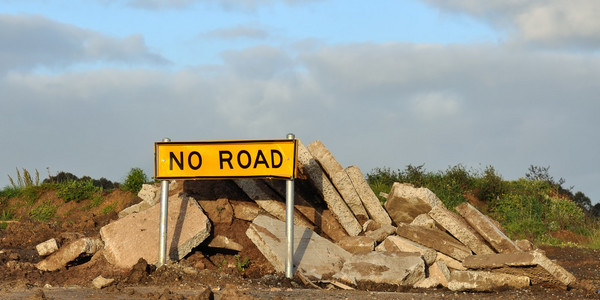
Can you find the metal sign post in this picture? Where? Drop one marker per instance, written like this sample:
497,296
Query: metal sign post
289,222
162,226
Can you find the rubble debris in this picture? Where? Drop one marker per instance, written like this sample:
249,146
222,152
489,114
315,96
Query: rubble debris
136,236
314,256
382,267
382,233
69,253
331,196
482,281
245,210
395,243
46,248
499,241
405,202
224,242
101,282
440,272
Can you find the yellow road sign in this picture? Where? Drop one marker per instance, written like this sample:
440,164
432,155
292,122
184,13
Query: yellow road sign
225,159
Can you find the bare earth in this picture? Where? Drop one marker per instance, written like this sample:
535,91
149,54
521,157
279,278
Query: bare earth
211,274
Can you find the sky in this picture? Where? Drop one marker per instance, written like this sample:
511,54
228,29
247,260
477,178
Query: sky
87,87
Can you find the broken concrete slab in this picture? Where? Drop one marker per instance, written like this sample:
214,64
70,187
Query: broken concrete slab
311,168
450,262
483,281
424,220
223,242
457,226
427,283
314,256
316,215
525,245
521,259
149,193
434,239
136,208
70,252
46,248
339,178
367,196
405,202
382,267
440,272
395,243
357,244
382,233
136,236
245,210
498,240
101,282
268,200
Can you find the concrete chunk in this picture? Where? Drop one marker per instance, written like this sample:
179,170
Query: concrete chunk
149,193
70,252
136,236
424,220
482,281
440,272
224,242
405,202
357,244
339,178
46,248
367,196
457,226
311,168
101,282
245,210
395,243
434,239
450,262
499,241
270,201
382,233
314,256
382,267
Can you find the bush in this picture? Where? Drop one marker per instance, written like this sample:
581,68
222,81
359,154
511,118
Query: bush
43,212
77,190
134,181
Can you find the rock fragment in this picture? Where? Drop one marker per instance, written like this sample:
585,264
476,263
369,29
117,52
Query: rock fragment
382,267
46,248
405,202
482,281
70,252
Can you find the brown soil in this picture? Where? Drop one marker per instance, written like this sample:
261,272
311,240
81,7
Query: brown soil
207,271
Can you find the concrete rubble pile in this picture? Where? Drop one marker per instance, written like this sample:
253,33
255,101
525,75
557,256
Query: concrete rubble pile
342,232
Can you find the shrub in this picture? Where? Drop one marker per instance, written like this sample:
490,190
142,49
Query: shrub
43,212
77,190
135,179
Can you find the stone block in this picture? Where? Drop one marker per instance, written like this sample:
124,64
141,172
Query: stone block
435,239
405,202
450,262
70,252
382,268
382,233
427,283
270,201
482,281
367,196
494,236
357,244
314,256
101,282
150,193
224,242
311,168
457,226
46,248
136,208
424,220
395,243
136,236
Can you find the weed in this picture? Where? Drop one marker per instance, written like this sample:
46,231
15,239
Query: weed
43,212
77,190
109,208
242,264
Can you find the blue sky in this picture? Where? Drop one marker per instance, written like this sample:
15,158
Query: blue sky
88,86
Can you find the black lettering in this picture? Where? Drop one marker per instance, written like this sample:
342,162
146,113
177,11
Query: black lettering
273,164
179,162
196,167
227,159
260,159
248,158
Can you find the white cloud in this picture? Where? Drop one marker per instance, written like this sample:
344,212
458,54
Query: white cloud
433,105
